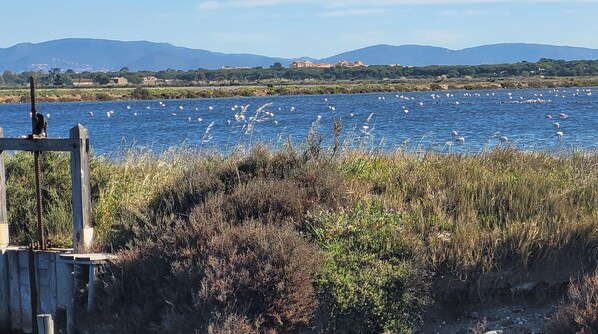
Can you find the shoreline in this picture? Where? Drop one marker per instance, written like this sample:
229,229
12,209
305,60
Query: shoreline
70,94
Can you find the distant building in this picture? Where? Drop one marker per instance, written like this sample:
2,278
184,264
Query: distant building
150,80
344,63
82,82
307,63
234,68
119,81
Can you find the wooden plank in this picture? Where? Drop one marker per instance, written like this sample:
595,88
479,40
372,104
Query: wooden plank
42,266
25,292
63,276
15,297
4,292
53,286
46,281
80,175
40,145
4,234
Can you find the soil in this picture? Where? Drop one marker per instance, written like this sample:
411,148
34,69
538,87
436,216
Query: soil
507,301
526,317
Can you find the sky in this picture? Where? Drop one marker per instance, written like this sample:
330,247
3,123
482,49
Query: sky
303,28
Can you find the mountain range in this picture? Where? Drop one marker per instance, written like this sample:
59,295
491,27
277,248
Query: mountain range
85,54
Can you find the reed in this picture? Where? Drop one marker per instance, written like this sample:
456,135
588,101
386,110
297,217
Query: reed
384,223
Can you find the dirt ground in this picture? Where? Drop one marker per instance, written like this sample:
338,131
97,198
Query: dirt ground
525,317
505,302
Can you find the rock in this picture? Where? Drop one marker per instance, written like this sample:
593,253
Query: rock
518,309
524,287
473,315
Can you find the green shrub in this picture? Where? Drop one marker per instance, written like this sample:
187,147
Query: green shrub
56,197
368,283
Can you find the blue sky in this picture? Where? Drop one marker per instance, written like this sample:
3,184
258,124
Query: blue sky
295,28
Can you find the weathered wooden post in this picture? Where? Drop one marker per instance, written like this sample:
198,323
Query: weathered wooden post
45,324
80,172
4,235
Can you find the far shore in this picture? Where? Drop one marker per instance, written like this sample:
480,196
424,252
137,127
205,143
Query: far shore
69,94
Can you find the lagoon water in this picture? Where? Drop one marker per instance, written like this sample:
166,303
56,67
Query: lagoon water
383,121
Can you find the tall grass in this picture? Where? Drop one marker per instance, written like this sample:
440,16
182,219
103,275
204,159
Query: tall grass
372,231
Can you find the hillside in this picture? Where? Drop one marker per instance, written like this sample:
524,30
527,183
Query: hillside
82,54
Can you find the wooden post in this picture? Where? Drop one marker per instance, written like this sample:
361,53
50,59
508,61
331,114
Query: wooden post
93,271
4,234
80,174
45,324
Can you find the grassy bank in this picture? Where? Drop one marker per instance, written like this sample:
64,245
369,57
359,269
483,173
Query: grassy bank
298,239
287,88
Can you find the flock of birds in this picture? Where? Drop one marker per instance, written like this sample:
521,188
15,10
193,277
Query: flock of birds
241,115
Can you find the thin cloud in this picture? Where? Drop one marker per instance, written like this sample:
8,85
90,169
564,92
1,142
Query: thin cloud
352,12
224,4
471,12
346,3
214,5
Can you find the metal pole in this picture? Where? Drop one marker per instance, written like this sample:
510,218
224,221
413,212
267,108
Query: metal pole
41,238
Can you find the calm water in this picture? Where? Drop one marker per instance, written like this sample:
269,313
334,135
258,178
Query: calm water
412,121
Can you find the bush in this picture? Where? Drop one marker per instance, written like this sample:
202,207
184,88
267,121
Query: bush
368,284
202,273
56,198
579,314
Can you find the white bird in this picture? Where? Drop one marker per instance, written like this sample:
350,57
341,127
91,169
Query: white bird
189,119
461,140
556,125
129,107
559,135
199,119
503,139
90,113
454,133
210,107
181,107
563,115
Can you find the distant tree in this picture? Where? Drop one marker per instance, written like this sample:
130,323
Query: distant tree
276,65
10,77
133,78
124,69
101,78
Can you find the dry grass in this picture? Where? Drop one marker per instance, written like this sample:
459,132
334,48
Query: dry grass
579,313
473,213
381,222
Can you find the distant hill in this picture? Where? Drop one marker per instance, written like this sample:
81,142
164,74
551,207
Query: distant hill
416,55
82,54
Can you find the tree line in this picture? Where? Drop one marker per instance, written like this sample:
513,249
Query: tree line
277,73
